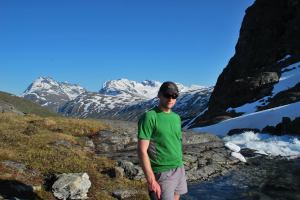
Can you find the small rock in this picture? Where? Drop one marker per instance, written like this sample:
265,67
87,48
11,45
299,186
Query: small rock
90,144
15,165
63,143
36,187
189,161
72,186
118,172
124,193
130,170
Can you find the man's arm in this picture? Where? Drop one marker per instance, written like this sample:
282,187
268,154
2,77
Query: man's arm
145,162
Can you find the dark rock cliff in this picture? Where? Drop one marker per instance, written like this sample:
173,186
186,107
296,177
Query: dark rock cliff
270,31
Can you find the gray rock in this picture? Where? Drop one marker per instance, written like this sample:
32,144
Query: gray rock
118,172
15,165
63,143
90,144
189,137
109,141
131,171
189,161
72,186
124,193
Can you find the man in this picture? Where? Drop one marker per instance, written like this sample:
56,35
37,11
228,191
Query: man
160,147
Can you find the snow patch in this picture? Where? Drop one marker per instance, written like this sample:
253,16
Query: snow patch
289,78
256,120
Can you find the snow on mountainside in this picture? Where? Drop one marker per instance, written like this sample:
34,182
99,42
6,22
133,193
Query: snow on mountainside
124,87
254,119
117,99
95,105
146,89
50,93
190,102
290,76
127,100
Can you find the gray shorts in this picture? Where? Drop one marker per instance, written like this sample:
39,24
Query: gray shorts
171,181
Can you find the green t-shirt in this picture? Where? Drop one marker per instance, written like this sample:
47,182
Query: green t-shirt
164,132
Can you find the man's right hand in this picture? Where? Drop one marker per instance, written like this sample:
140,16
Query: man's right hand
145,162
154,186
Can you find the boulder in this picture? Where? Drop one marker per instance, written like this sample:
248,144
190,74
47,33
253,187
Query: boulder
71,186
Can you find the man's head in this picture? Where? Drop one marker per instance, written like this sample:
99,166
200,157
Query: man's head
168,92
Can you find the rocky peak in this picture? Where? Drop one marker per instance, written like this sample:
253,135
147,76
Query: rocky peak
50,93
48,84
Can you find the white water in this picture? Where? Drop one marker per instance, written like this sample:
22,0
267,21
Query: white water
288,146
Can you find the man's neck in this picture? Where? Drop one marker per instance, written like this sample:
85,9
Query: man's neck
166,110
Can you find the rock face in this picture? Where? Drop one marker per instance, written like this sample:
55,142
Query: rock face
268,42
71,186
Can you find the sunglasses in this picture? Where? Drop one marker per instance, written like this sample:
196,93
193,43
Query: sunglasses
168,96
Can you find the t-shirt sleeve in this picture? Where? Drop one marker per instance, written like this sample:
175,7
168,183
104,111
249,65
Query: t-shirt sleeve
145,126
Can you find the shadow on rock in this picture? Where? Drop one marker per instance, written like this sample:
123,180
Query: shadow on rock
11,189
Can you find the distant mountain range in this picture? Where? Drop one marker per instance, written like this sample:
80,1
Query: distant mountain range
117,99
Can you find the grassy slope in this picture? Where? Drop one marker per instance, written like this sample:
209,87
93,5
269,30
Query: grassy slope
24,105
30,140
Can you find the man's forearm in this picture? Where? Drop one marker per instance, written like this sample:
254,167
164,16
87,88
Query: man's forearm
146,166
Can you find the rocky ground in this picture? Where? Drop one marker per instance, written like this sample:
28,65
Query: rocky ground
205,155
105,164
263,178
206,160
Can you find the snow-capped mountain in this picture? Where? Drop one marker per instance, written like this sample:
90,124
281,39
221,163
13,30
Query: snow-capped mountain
190,102
117,99
50,93
123,87
96,105
146,89
127,100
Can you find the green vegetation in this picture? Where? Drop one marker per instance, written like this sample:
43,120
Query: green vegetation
24,105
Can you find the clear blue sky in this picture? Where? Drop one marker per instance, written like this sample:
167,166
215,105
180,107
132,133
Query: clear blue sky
89,42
